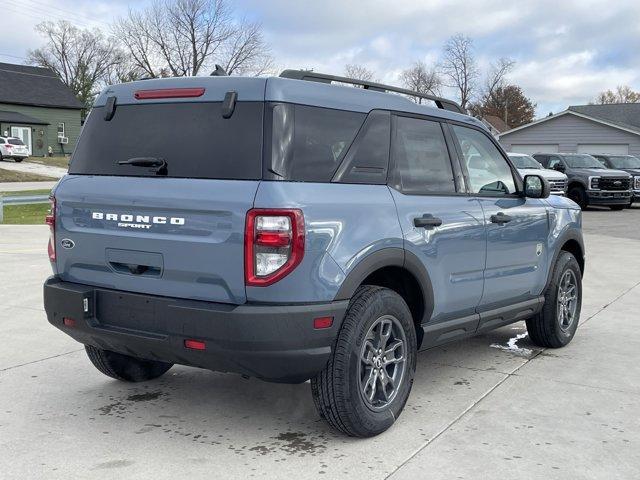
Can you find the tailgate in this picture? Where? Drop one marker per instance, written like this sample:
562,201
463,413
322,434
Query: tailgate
172,237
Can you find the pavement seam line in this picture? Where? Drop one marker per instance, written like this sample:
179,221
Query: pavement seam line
460,416
513,373
607,305
40,360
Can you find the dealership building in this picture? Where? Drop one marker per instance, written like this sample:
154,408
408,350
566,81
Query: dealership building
613,128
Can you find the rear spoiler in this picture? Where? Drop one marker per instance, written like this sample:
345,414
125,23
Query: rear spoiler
310,76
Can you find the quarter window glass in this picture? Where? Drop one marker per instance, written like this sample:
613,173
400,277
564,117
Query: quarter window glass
308,143
421,157
489,172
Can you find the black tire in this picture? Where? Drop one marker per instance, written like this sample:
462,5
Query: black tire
18,160
1,158
618,207
337,390
545,329
579,195
125,368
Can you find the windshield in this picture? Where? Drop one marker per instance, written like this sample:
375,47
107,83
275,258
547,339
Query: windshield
582,161
625,161
525,161
15,141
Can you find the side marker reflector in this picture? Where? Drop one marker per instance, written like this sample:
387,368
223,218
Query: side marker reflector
322,322
195,345
69,322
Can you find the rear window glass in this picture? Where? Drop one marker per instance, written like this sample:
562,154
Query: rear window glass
193,139
15,141
308,143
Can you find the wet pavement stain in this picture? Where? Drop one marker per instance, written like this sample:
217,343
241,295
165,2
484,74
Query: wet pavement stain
121,407
144,397
292,443
114,464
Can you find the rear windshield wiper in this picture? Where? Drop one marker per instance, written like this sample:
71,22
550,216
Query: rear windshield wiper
159,163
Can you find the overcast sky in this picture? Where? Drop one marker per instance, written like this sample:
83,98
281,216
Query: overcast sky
565,51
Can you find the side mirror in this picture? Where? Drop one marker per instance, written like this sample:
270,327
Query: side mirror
536,187
559,167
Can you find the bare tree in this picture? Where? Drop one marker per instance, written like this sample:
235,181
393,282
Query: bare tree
493,91
421,79
622,94
186,37
496,76
359,72
246,51
81,58
459,67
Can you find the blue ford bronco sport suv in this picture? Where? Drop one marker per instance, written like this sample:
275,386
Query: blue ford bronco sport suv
291,229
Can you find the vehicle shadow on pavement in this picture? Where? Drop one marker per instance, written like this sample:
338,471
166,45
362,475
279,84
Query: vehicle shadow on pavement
218,409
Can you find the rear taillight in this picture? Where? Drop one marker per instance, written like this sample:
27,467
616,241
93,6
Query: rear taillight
50,220
8,145
273,245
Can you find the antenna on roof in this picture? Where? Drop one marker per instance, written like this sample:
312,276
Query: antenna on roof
219,72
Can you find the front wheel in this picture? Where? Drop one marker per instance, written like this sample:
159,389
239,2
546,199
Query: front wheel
124,367
578,195
367,381
556,324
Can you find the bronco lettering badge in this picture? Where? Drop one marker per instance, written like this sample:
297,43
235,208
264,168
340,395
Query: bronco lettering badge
126,220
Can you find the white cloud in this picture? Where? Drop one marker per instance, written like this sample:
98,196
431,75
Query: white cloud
566,51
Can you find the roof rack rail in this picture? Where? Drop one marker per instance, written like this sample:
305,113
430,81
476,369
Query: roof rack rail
311,76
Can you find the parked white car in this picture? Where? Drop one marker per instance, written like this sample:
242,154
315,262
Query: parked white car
527,165
11,147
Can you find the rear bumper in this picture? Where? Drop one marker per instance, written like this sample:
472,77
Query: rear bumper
271,342
609,197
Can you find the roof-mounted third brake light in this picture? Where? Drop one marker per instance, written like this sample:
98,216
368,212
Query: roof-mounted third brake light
168,93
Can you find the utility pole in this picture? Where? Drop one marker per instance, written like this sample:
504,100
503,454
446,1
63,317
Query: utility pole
506,104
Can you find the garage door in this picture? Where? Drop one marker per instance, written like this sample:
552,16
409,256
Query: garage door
531,149
594,149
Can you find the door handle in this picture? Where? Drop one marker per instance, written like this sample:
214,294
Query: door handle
427,221
500,218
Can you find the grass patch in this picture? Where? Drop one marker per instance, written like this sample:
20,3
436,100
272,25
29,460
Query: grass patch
11,176
42,191
62,162
25,214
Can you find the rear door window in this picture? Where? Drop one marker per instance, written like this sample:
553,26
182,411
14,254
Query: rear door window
420,156
193,138
309,143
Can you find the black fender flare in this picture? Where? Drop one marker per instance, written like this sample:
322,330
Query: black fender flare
390,257
570,234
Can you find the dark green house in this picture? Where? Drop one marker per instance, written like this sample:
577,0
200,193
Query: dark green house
38,108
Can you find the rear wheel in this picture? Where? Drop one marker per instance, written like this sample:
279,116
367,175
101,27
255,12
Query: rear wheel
578,195
368,378
125,368
18,160
556,324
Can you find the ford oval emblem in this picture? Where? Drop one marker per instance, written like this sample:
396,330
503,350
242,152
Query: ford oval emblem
67,243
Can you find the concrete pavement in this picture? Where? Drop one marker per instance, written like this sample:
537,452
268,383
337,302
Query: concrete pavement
35,168
476,411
